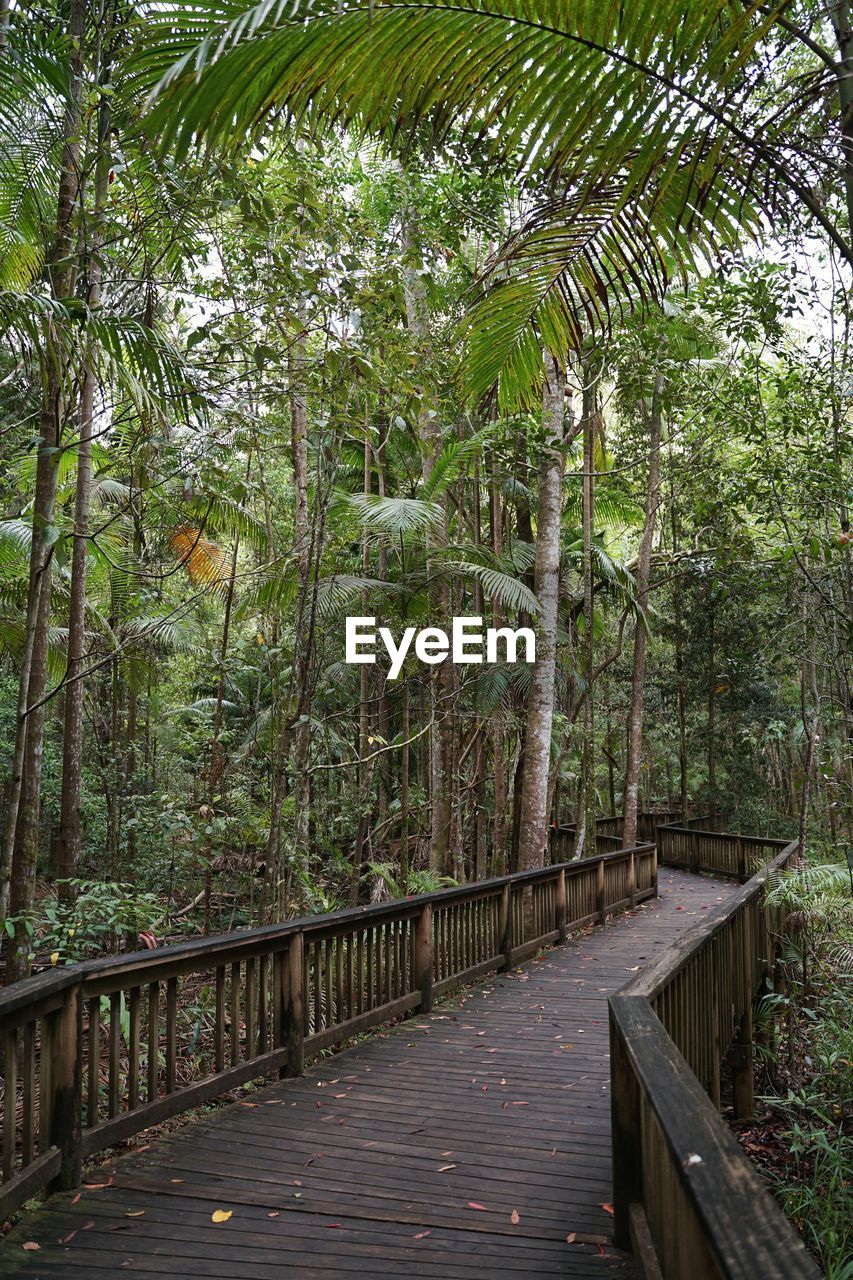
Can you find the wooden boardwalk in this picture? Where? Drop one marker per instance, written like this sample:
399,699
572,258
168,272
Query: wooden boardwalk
470,1142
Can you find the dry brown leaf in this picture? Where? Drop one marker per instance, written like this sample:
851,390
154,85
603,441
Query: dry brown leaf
30,1246
67,1239
514,1218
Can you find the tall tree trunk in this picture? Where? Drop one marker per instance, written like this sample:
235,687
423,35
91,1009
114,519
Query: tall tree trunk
533,820
303,548
70,831
681,703
712,700
497,728
586,821
20,837
441,675
638,677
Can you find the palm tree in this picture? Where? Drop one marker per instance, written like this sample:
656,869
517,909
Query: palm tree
642,133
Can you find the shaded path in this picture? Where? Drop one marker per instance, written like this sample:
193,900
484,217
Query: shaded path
466,1143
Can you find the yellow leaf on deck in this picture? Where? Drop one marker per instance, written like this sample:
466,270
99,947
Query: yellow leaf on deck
221,1215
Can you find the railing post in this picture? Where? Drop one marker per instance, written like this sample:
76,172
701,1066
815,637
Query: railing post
423,957
740,1061
741,861
292,997
626,1138
632,879
655,872
62,1108
505,925
561,903
600,904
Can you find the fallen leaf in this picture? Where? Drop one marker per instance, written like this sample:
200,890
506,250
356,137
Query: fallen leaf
514,1218
67,1239
135,1213
329,1225
608,1208
422,1235
472,1204
444,1168
570,1238
74,1199
221,1215
30,1246
275,1214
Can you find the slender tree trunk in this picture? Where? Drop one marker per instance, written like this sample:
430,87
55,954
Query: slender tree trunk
441,675
70,830
638,678
497,729
712,700
533,820
302,645
586,824
20,837
679,673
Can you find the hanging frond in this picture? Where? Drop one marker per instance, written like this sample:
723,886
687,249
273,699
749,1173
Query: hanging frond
502,586
206,562
391,515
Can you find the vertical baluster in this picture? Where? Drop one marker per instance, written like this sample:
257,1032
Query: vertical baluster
379,964
10,1102
171,1033
28,1076
263,1002
369,969
360,971
45,1083
133,1051
219,1027
389,961
251,998
235,1013
93,1082
350,1010
114,1084
339,978
153,1046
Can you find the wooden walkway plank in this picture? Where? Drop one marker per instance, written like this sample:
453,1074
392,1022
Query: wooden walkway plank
470,1142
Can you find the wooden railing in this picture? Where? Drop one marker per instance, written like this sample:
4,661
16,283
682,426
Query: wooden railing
719,853
608,833
685,1196
95,1052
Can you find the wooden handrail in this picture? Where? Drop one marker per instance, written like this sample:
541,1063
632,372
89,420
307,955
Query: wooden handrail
722,853
681,1182
262,1000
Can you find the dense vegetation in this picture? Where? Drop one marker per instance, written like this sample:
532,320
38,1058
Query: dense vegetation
382,313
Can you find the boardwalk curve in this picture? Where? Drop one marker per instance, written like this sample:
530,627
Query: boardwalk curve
470,1141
